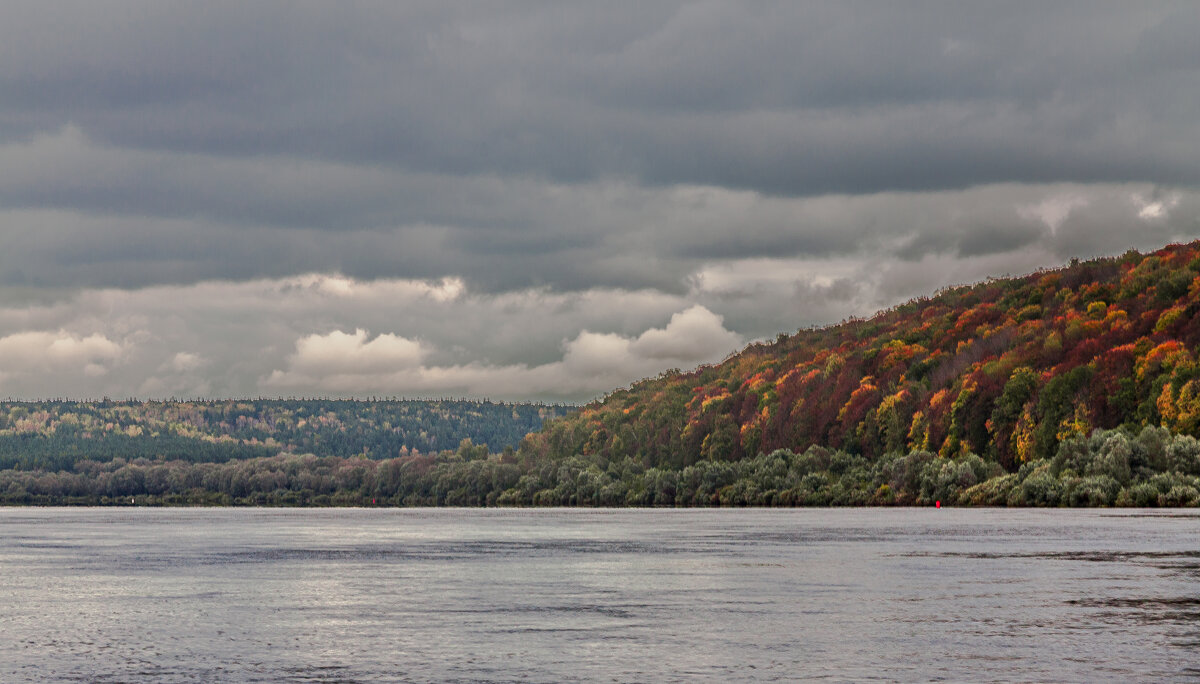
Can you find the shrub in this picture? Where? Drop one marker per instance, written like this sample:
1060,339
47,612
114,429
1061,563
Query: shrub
1111,458
1179,495
1144,494
1040,489
1094,490
1183,455
993,492
1150,448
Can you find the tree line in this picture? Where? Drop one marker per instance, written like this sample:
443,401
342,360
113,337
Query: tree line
1107,468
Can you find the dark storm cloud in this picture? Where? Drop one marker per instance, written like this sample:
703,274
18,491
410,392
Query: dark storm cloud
778,97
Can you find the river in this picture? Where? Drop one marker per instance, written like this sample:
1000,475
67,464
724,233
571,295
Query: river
554,595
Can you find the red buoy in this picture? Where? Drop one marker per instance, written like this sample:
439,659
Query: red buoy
939,503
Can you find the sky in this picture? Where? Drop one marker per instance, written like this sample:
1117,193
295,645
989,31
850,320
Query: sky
546,201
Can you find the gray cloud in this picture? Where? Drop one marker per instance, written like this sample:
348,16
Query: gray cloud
779,97
333,334
582,236
181,186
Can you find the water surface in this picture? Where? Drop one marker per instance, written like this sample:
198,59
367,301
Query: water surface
181,595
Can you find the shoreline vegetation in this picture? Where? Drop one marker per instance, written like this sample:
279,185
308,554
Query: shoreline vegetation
1078,386
1108,468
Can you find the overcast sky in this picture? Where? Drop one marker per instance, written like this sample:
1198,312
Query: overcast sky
545,201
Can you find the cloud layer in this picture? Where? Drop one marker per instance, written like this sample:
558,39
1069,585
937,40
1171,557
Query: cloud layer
531,201
591,362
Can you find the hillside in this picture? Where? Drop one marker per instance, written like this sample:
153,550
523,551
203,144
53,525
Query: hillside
1003,372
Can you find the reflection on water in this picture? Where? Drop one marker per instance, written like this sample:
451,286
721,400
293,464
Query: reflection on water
104,595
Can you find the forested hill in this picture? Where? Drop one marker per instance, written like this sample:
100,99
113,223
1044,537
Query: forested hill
53,435
1006,369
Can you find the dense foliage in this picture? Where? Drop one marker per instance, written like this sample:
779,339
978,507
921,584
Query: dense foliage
53,435
1109,468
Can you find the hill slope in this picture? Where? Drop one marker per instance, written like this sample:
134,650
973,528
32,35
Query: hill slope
1007,370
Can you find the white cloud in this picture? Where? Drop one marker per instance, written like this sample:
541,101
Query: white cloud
694,336
95,370
339,352
1155,208
41,363
591,364
40,349
185,362
595,355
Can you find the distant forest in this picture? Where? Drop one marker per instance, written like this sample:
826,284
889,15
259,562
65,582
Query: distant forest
55,435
